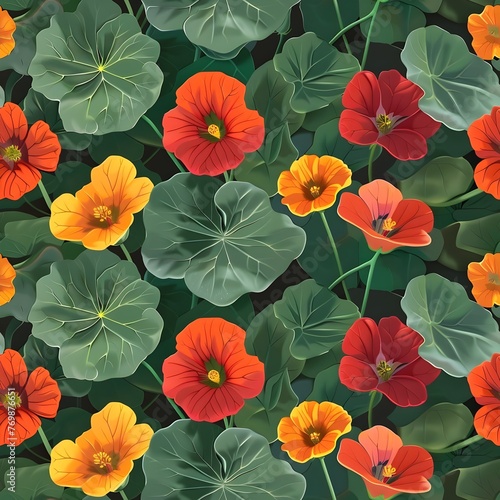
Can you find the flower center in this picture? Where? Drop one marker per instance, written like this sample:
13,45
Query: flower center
12,153
385,226
388,224
384,123
103,461
10,400
494,30
384,370
388,471
315,191
214,376
214,130
103,213
494,279
315,437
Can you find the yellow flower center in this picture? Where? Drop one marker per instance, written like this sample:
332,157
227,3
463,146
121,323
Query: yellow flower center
384,370
494,279
103,461
388,471
214,130
389,224
12,153
384,123
315,191
214,376
10,400
315,437
103,213
494,30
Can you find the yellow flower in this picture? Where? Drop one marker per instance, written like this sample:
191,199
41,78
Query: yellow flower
100,460
7,28
485,279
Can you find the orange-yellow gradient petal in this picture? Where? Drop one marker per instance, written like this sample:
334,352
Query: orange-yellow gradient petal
485,279
485,31
312,430
7,276
100,213
7,28
312,183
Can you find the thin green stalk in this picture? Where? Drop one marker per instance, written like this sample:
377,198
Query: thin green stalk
335,252
458,199
197,53
352,25
460,445
327,477
194,301
45,195
373,152
144,21
373,395
231,421
280,44
45,441
231,175
123,495
126,252
151,403
176,162
139,12
151,156
11,82
18,18
348,273
369,35
369,281
226,176
341,24
35,208
129,7
226,423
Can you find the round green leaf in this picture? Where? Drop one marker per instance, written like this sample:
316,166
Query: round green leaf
317,316
439,427
224,240
99,313
99,65
480,236
221,26
203,461
459,334
318,71
479,483
459,86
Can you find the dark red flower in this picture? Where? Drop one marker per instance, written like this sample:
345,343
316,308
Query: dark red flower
385,111
385,358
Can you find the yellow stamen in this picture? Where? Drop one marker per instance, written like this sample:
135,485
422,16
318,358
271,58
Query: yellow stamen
384,370
214,131
315,437
388,471
12,153
103,460
103,213
315,191
389,225
384,123
214,376
11,401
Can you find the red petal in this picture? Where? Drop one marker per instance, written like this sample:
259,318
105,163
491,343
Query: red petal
354,457
404,391
381,197
421,370
43,147
43,393
357,375
487,176
17,182
13,371
399,342
421,123
362,340
357,128
414,466
362,94
415,220
26,425
484,134
398,95
13,125
484,381
355,211
487,422
404,144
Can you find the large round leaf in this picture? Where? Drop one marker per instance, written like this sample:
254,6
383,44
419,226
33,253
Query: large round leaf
221,26
99,313
194,460
318,71
459,334
224,240
99,65
480,483
317,316
459,86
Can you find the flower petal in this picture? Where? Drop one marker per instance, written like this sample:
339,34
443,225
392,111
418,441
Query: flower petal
404,144
43,147
43,393
362,94
357,128
487,176
399,96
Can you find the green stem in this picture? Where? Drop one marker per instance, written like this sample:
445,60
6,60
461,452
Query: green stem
123,495
126,252
18,18
197,53
341,24
176,162
129,7
352,25
231,175
460,445
459,199
373,395
139,12
280,44
35,208
348,273
226,176
373,152
327,477
335,252
226,423
44,439
231,421
369,35
11,82
151,403
369,281
151,156
194,301
144,21
45,195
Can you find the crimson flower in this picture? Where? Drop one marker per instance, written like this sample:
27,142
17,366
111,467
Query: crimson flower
385,111
385,358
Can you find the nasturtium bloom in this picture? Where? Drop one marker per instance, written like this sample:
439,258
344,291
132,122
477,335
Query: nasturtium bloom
484,136
484,383
385,111
485,31
7,28
100,214
32,396
312,430
7,276
385,465
211,373
312,183
211,128
24,152
100,460
485,279
385,358
387,221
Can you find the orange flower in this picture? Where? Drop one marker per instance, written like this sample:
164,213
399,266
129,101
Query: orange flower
485,278
24,152
485,31
7,28
484,383
312,183
31,396
100,214
7,276
100,460
312,430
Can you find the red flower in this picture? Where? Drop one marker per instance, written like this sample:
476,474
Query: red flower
211,373
484,383
24,152
31,397
484,135
386,112
387,221
385,358
211,128
386,466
